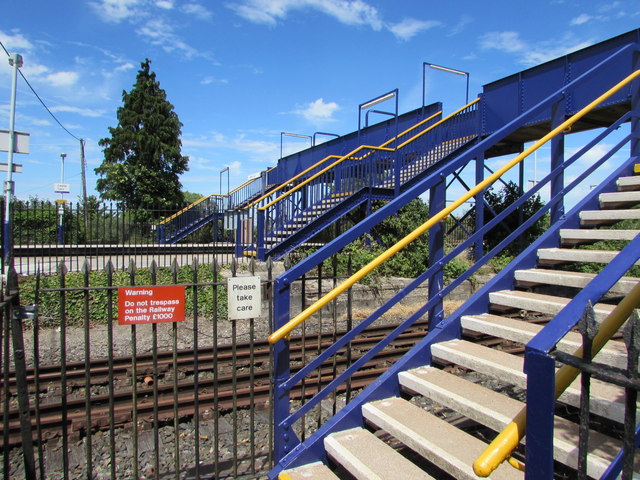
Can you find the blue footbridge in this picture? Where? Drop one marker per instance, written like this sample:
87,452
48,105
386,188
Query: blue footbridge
576,373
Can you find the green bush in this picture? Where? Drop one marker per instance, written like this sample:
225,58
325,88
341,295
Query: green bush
49,302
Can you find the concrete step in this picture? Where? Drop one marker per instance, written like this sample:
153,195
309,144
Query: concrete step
496,411
313,471
628,183
536,302
551,256
606,400
575,236
607,217
619,199
614,353
366,457
441,443
540,276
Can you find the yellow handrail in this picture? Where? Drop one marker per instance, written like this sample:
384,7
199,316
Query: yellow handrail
188,207
502,446
362,147
292,179
329,157
286,330
325,169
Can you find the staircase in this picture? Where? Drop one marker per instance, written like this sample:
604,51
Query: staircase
367,173
452,405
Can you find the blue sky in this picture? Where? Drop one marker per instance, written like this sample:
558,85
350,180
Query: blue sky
239,72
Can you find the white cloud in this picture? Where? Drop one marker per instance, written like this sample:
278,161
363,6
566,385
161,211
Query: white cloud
159,32
62,79
349,12
197,10
85,112
580,19
165,4
124,67
210,80
16,42
531,54
460,26
114,11
410,27
318,111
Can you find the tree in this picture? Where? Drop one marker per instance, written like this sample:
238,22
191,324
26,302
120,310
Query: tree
499,201
142,158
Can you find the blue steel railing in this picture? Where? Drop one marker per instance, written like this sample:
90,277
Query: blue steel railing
388,167
182,223
285,449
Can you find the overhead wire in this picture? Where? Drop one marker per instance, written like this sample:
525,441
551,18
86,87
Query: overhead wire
39,98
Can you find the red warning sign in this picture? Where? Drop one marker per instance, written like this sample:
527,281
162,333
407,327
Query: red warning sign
153,304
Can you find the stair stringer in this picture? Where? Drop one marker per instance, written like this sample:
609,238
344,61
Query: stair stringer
387,385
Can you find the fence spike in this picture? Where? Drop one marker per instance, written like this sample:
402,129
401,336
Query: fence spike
86,267
62,268
108,267
132,267
588,325
174,266
153,268
252,266
631,332
234,266
195,265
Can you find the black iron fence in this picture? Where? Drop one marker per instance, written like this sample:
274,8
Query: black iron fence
45,233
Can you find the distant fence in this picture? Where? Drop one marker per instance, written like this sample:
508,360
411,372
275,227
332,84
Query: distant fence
45,233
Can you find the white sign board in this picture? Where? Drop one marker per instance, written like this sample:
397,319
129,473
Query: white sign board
61,187
15,167
253,176
20,145
245,297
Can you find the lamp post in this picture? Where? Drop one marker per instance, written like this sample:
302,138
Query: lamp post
15,61
442,69
296,135
61,202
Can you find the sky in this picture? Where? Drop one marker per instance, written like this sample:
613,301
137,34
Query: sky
241,72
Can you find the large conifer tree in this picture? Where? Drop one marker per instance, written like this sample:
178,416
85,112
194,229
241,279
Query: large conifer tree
142,158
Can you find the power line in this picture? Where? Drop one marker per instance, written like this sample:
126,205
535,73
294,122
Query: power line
40,99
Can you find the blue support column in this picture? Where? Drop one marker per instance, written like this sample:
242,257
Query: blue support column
260,236
239,245
479,207
284,437
557,158
437,202
635,108
540,370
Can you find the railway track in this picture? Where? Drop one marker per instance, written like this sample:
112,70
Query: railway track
216,379
227,378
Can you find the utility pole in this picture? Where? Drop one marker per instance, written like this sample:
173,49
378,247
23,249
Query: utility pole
15,60
84,184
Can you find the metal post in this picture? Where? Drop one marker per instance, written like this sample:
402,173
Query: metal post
15,60
437,202
61,204
443,69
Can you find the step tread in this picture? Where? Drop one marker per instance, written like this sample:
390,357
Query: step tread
496,411
312,471
570,236
596,217
368,458
618,199
451,449
537,302
607,400
569,279
614,353
632,182
560,255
